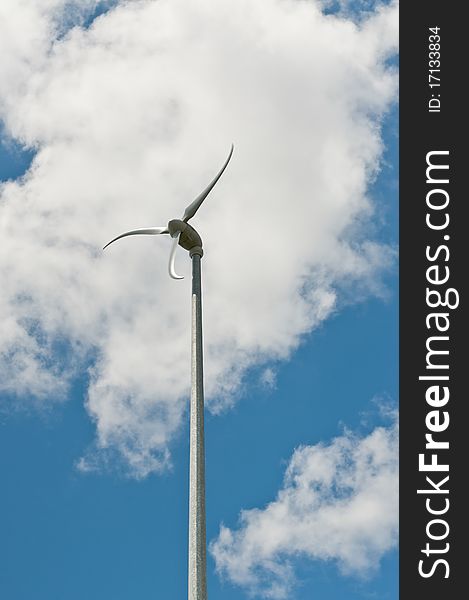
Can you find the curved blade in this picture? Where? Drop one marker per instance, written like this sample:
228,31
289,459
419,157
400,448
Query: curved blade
172,258
195,205
148,231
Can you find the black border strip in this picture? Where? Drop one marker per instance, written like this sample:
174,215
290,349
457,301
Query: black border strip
423,246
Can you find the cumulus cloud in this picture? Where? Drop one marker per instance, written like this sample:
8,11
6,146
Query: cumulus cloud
339,502
130,118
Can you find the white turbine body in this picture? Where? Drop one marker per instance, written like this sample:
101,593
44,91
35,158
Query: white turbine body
176,233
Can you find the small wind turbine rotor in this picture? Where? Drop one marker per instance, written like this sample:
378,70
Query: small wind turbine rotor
182,233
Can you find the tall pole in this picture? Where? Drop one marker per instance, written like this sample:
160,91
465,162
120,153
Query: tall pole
187,237
197,584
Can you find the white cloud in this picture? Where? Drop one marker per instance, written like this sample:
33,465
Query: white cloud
130,119
339,502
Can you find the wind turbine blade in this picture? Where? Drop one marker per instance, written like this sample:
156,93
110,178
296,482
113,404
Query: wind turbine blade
148,231
172,258
195,205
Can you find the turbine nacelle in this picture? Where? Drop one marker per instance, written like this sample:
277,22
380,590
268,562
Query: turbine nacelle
182,233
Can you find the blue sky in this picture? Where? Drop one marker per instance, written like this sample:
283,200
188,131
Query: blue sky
88,511
74,536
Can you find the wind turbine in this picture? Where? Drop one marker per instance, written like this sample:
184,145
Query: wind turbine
186,236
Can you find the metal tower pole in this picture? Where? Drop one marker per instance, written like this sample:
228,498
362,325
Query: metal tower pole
187,237
197,584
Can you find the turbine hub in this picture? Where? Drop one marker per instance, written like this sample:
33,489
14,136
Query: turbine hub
189,239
